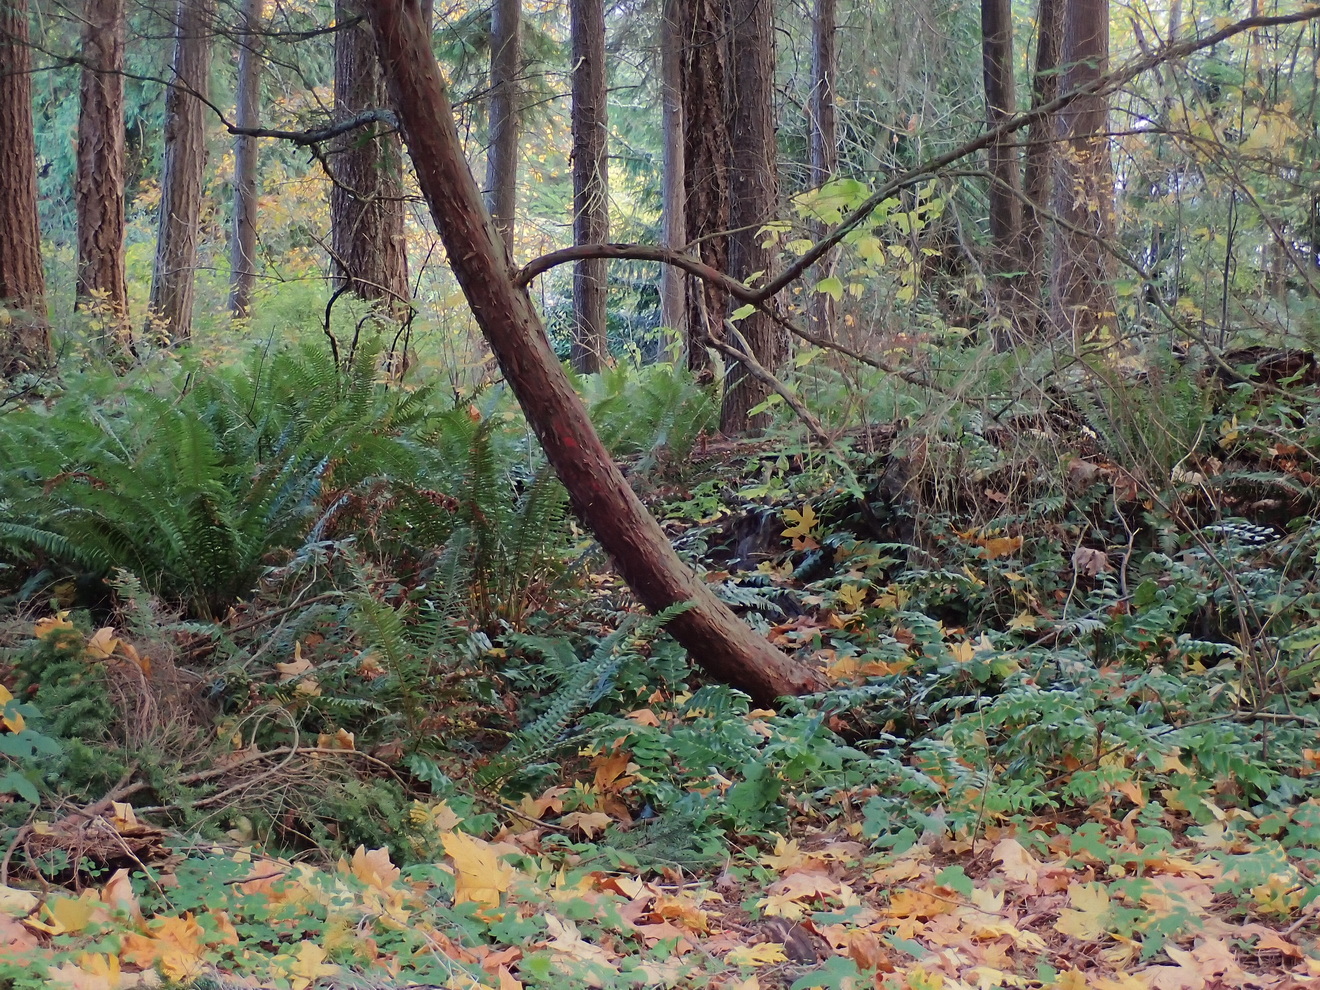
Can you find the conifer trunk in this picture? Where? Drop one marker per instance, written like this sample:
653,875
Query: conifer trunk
706,142
754,200
1004,167
1041,154
183,168
505,116
824,148
600,495
99,180
368,243
243,239
1082,300
673,286
25,338
591,219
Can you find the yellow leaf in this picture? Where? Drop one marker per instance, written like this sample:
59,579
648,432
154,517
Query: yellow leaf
103,643
1002,546
1023,621
590,822
1089,914
803,522
374,867
309,965
293,668
852,596
51,624
480,875
439,816
1016,862
757,955
962,652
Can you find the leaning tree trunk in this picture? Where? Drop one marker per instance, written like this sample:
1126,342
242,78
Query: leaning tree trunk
1082,299
1042,151
243,239
1005,170
183,168
505,116
367,241
673,305
824,149
25,336
754,200
600,495
591,217
99,179
705,43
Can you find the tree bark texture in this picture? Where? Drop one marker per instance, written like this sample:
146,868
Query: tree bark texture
1000,105
367,239
1082,300
99,178
824,142
183,167
600,495
243,239
591,216
25,341
505,116
673,284
1042,152
754,199
706,154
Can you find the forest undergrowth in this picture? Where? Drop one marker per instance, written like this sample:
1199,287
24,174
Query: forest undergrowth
311,680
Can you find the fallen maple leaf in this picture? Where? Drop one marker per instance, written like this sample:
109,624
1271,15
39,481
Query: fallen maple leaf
590,822
374,868
1016,862
1089,914
764,954
481,876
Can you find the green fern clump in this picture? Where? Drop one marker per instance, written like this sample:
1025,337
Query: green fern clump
192,484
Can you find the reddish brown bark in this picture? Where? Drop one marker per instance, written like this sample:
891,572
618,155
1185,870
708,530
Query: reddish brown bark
99,181
754,200
1082,301
243,239
591,215
1000,105
706,154
367,238
673,288
25,342
505,115
182,170
1040,157
823,139
600,495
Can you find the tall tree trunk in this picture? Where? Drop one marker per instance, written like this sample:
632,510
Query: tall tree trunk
1082,300
824,149
505,116
25,338
1042,151
367,239
1005,170
754,199
706,156
591,214
99,180
243,239
600,495
183,167
673,285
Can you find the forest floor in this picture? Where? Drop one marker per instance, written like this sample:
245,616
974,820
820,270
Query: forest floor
1072,738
